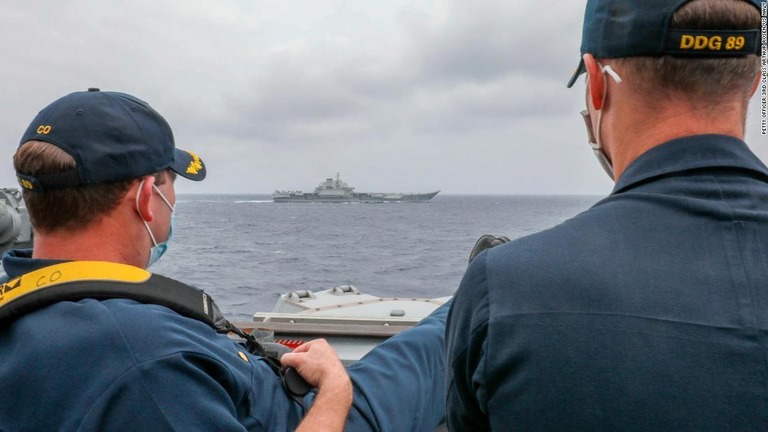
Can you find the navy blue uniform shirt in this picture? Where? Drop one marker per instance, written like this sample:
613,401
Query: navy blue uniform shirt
647,312
119,365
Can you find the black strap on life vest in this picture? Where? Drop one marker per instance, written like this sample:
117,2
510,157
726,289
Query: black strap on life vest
77,280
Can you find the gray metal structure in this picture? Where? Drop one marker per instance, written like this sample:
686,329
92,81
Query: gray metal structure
337,191
351,321
15,229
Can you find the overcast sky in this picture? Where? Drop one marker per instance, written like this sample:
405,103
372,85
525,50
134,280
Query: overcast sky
396,95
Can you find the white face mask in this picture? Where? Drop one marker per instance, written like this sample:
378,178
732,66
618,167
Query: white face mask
594,139
158,249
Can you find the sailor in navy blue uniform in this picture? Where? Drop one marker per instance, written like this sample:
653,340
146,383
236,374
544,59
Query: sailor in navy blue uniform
649,311
97,170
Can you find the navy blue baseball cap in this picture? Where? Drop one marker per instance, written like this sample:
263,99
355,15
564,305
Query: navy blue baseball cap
631,28
112,137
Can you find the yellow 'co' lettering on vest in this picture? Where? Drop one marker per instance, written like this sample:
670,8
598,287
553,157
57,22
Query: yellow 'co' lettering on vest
44,129
46,279
70,272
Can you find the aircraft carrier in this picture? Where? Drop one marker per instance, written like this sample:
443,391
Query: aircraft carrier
337,191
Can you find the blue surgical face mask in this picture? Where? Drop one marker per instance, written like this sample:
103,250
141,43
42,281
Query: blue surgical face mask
594,136
158,249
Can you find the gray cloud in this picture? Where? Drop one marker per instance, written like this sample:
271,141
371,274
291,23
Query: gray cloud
407,95
311,93
487,40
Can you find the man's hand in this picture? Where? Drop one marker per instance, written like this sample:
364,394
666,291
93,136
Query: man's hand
318,363
486,242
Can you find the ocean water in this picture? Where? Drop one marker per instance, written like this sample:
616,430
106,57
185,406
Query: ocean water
245,250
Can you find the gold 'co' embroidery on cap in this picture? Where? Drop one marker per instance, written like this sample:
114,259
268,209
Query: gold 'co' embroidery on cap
196,165
44,129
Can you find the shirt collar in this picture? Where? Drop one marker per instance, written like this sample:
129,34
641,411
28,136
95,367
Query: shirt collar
17,262
693,152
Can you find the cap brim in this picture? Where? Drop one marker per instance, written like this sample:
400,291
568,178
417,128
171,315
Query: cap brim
188,165
580,69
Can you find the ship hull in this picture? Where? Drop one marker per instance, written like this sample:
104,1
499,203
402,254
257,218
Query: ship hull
356,197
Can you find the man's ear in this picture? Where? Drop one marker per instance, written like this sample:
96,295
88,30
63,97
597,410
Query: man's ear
596,81
144,193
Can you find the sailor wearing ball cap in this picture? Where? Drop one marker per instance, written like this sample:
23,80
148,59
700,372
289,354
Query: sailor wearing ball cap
647,312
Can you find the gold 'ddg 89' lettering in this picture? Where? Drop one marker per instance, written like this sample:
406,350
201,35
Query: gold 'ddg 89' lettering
714,43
